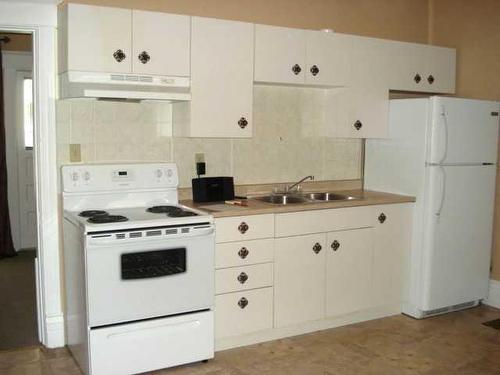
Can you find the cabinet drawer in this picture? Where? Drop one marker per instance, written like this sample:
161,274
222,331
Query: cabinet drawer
243,253
243,312
243,278
307,222
244,228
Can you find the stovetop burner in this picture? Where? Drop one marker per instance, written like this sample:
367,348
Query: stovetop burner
181,213
91,213
164,209
102,219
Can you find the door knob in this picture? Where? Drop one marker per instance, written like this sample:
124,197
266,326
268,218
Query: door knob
358,125
296,69
314,70
242,278
317,248
417,78
144,57
243,253
382,218
243,302
243,227
430,79
119,55
335,245
242,122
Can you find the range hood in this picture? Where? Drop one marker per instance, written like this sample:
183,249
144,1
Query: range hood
75,84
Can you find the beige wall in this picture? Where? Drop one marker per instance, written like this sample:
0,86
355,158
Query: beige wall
473,28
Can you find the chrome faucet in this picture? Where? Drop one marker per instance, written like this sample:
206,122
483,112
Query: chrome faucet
296,185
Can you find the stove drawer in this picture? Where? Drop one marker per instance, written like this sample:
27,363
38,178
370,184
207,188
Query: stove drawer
240,228
242,253
243,312
242,278
153,344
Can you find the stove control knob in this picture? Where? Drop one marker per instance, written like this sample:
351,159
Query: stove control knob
86,176
159,173
75,176
169,172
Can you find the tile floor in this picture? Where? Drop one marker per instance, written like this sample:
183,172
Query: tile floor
457,344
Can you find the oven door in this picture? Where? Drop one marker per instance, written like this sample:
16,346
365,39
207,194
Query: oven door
143,278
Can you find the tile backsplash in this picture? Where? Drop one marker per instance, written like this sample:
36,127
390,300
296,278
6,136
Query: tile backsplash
290,138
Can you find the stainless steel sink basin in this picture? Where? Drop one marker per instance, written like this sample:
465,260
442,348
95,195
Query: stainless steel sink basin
283,199
329,197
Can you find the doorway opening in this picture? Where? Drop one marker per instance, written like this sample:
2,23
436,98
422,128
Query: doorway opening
18,310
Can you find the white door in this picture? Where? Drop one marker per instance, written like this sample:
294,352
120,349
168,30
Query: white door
458,234
463,131
299,279
160,43
327,59
99,39
221,78
26,178
280,54
349,267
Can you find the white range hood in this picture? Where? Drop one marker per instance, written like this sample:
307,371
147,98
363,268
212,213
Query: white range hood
75,84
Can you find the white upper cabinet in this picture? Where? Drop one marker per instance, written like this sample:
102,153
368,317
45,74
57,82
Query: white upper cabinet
95,39
116,40
160,43
327,60
221,81
300,57
280,54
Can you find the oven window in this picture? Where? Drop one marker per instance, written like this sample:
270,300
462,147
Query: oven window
150,264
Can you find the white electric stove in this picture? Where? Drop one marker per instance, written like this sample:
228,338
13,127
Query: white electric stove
139,269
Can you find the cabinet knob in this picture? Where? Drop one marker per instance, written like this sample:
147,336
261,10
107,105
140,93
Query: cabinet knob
417,78
335,245
144,57
317,248
430,79
243,227
119,55
358,125
243,253
242,122
243,302
296,69
242,278
314,70
382,218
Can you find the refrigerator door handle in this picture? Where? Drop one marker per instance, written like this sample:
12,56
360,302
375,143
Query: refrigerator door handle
445,126
443,192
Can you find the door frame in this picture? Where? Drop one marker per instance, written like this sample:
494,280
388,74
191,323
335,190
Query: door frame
40,20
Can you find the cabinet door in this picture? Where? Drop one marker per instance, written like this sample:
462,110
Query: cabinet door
407,66
299,279
327,61
280,54
440,70
221,78
360,112
99,39
349,271
391,249
160,43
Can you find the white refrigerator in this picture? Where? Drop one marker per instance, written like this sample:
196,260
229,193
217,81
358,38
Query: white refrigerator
443,151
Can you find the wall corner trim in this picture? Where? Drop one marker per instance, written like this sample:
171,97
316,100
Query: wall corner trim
493,299
55,331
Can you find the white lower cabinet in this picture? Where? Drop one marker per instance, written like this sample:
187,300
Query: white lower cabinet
299,279
349,271
243,312
353,267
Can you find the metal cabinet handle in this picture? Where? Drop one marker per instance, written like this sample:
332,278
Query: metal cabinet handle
358,125
243,253
317,248
243,227
417,78
296,69
314,70
335,245
381,218
144,57
242,278
243,302
242,122
119,55
430,79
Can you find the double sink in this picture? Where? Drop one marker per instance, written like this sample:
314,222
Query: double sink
289,198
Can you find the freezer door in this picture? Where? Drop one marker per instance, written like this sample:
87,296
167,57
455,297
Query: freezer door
458,225
463,131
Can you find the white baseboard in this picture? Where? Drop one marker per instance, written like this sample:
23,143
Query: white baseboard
493,295
54,332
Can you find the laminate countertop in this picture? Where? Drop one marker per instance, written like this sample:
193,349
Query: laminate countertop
257,207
